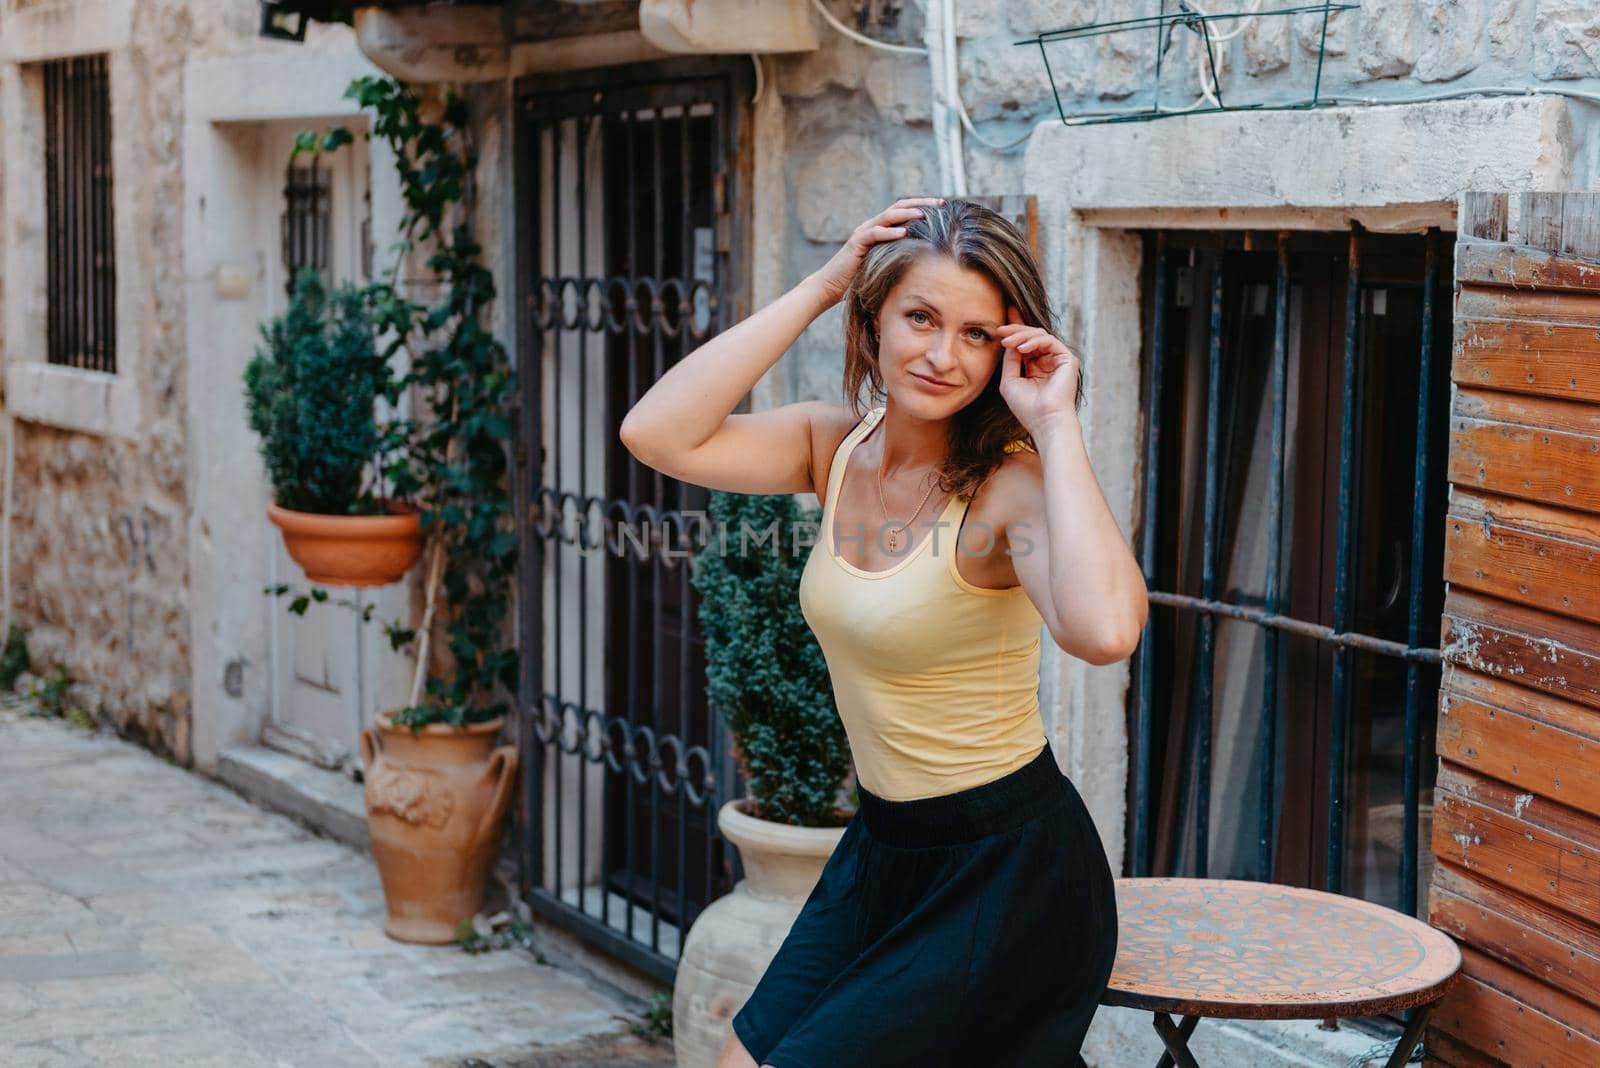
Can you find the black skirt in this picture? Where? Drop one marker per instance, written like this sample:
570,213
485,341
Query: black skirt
973,928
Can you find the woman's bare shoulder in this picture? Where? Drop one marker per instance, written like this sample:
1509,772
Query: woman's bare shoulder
829,425
1013,489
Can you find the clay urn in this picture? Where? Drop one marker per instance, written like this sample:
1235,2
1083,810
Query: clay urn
736,937
435,800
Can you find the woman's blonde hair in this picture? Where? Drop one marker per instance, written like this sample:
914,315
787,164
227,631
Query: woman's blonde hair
978,239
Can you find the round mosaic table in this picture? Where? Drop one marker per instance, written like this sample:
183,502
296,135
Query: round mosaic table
1258,951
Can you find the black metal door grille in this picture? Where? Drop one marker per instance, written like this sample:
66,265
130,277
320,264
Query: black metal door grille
80,256
1294,560
624,255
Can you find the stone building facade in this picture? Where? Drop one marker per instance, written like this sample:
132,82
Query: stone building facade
135,547
1422,102
127,545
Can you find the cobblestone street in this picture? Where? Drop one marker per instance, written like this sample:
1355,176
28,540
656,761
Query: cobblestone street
150,916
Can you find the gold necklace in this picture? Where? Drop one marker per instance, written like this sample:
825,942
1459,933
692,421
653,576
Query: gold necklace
893,535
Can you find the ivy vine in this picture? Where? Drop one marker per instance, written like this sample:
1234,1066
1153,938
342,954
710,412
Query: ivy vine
455,465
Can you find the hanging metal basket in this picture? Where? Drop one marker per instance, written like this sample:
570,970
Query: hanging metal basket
1165,25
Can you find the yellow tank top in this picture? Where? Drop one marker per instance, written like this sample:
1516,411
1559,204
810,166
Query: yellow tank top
937,680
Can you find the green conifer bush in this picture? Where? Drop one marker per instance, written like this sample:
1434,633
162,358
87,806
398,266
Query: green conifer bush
311,391
765,671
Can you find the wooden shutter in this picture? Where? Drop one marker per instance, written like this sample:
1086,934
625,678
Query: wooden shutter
1516,828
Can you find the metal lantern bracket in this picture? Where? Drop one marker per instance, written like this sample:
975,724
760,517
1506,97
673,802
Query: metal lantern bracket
285,20
1165,24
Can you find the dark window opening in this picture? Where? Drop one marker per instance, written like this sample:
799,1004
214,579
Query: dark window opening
1278,724
81,253
307,222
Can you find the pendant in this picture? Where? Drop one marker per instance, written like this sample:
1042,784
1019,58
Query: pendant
892,539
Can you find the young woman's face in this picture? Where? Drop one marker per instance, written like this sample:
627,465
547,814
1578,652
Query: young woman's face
937,346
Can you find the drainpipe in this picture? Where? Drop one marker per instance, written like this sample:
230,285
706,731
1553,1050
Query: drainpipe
939,31
933,34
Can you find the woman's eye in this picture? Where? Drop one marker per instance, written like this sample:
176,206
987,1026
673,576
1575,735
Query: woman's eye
919,317
977,336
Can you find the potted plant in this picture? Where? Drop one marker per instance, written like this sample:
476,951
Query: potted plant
437,787
768,680
312,392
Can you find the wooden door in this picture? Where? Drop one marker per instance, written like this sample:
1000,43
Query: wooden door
1516,828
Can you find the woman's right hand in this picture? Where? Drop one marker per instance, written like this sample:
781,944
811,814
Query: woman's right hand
834,277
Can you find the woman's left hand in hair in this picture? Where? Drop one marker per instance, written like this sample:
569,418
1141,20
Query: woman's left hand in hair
1039,376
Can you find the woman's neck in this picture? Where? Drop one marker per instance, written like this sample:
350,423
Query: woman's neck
910,443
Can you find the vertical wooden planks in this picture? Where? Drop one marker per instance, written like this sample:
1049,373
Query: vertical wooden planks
1517,824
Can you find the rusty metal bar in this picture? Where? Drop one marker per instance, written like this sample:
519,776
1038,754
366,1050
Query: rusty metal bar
1300,627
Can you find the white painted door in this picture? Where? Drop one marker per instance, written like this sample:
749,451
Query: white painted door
331,673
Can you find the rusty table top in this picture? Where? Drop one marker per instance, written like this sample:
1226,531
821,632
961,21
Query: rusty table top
1229,949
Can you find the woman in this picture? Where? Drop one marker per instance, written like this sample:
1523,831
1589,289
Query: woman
967,914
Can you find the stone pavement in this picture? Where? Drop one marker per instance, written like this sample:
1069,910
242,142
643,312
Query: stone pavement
150,916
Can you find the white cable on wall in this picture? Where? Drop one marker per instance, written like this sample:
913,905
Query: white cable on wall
943,73
827,16
1333,99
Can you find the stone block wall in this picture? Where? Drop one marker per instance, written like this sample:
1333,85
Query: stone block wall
858,121
99,534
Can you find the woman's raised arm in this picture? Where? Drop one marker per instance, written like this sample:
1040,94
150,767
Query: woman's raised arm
684,426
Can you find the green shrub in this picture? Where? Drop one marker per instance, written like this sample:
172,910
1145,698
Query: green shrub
765,672
312,390
13,658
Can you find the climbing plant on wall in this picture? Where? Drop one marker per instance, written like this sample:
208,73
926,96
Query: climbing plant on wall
461,383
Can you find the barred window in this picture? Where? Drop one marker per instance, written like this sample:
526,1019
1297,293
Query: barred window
1284,696
307,219
81,252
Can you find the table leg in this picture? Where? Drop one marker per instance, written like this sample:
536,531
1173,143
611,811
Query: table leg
1410,1038
1175,1036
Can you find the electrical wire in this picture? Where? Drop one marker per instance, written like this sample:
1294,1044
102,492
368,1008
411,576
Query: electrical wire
944,98
1492,91
860,38
1485,90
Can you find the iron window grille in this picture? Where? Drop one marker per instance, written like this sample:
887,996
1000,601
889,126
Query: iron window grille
81,251
1292,535
307,221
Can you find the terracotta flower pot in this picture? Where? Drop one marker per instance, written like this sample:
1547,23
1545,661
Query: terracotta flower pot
736,937
351,550
435,800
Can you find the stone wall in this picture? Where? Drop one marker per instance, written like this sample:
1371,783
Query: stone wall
98,546
858,121
100,542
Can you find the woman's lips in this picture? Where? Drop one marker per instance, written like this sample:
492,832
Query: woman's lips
933,384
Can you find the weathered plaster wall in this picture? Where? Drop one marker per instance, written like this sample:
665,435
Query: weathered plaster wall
243,96
100,534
